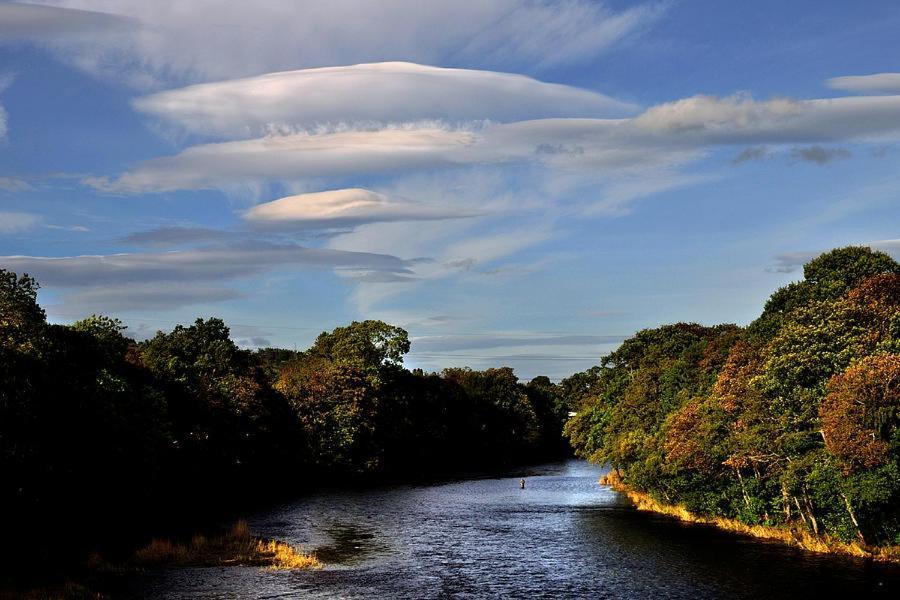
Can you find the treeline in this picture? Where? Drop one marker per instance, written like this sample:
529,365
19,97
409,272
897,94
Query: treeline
792,421
96,428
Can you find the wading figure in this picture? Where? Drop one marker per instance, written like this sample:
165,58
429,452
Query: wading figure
521,484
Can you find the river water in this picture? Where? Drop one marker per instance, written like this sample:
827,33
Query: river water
563,536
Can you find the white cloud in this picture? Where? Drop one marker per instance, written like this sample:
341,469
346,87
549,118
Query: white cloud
292,157
35,22
878,83
451,343
213,263
163,280
342,208
141,296
17,222
484,249
616,198
205,40
176,236
391,91
13,184
547,34
892,247
742,120
5,81
666,135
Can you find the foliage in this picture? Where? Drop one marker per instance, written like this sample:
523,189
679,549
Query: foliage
21,319
368,345
235,547
793,420
95,427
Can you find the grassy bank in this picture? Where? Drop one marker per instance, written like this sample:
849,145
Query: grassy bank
792,536
237,547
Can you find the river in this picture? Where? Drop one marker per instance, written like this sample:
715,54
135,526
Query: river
563,536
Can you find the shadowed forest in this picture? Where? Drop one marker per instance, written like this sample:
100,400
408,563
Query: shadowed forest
100,434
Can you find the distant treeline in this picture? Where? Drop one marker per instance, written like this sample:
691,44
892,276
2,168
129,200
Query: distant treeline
96,428
792,421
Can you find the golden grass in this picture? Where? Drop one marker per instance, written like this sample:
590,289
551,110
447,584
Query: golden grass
237,547
285,556
792,536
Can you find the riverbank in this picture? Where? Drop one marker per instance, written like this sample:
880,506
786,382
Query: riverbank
236,547
791,536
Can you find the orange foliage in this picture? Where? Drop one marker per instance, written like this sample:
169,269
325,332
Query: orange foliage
879,298
744,362
861,402
683,443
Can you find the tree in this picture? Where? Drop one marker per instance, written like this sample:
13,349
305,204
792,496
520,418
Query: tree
225,415
203,352
108,333
337,408
861,413
827,277
21,319
368,345
836,272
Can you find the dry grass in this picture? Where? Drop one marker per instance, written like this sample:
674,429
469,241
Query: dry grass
793,536
237,547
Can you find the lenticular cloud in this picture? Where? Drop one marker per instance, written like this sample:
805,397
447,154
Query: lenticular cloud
379,92
342,208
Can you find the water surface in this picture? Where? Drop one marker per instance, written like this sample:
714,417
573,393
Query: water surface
563,536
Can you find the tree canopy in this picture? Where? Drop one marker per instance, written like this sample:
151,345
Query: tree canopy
793,420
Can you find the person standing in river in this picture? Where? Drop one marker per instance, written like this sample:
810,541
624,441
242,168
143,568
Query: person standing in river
522,484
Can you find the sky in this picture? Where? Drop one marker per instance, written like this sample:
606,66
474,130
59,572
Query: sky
515,182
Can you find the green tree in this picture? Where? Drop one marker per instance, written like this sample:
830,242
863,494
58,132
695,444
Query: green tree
368,345
337,407
21,319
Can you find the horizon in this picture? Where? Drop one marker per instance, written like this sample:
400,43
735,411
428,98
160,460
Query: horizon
527,185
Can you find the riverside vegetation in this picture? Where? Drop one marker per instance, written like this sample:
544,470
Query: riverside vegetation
788,428
105,438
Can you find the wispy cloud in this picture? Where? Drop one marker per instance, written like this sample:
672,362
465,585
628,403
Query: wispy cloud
17,222
789,262
752,153
205,40
142,297
129,277
450,343
212,263
39,22
818,154
165,237
13,184
877,83
293,157
5,81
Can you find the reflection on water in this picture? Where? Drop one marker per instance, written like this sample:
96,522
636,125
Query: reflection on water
562,536
350,544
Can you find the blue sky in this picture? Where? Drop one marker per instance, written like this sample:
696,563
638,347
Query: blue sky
516,182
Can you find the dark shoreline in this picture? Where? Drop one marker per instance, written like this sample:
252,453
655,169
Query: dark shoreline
38,558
